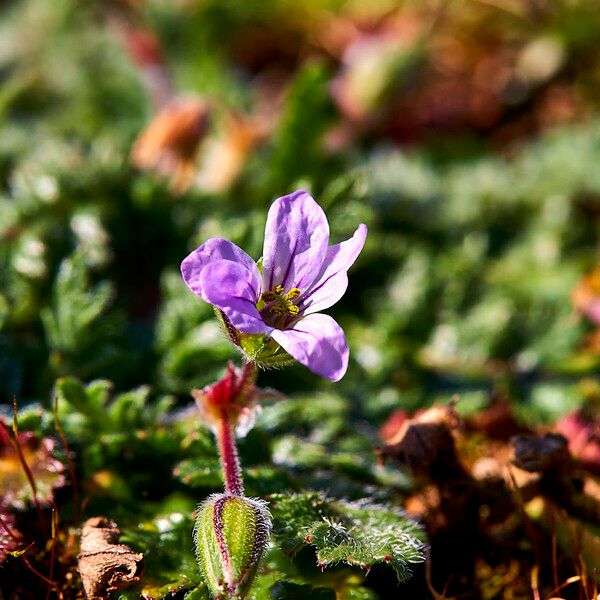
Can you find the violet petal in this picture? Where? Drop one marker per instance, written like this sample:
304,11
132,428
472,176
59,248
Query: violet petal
234,289
332,281
317,342
296,238
211,251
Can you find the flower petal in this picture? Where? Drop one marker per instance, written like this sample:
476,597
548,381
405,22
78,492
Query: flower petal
332,281
213,250
234,289
317,342
296,237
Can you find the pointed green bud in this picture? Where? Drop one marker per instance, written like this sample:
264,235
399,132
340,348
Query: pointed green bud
231,535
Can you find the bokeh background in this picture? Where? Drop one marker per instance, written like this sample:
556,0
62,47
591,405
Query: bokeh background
465,134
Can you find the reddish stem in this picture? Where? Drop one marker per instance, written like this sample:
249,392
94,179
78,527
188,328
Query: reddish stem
19,451
52,552
230,462
239,388
70,465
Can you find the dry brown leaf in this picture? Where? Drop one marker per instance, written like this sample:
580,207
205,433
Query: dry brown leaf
103,563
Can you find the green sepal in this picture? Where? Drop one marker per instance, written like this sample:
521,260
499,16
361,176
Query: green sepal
257,348
264,351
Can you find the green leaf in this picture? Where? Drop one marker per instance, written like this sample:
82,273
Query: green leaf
285,590
358,533
293,515
364,534
200,472
169,558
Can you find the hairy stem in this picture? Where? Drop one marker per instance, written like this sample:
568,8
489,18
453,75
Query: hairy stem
230,462
225,434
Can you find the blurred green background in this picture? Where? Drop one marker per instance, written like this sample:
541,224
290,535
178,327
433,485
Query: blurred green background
463,133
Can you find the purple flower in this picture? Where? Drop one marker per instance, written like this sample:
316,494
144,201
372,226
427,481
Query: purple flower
301,275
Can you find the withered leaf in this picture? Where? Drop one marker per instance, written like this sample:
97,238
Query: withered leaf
103,563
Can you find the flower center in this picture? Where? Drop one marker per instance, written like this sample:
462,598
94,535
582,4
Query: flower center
277,306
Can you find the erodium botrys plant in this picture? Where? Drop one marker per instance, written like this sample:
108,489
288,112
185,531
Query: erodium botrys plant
270,310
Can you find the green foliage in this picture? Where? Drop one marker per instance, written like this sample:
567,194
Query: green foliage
192,346
365,534
125,412
464,285
293,515
78,345
358,534
168,555
297,149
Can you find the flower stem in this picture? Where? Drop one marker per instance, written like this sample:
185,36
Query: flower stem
225,433
230,462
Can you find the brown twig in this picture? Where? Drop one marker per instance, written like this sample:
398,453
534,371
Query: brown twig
535,589
36,572
554,553
17,448
529,526
52,550
70,465
563,585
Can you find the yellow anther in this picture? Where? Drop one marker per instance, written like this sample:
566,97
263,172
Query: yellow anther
281,304
293,294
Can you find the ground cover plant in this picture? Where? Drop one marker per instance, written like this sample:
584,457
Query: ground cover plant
426,426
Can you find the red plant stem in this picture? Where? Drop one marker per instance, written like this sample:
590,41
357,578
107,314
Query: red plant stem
70,465
8,530
36,572
230,462
19,451
52,552
225,434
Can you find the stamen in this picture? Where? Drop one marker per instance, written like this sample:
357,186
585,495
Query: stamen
292,294
281,304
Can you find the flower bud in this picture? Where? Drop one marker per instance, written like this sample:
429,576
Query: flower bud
231,535
234,396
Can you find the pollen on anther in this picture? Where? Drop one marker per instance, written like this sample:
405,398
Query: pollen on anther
293,294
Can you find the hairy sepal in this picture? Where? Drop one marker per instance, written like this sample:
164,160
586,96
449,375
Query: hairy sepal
231,535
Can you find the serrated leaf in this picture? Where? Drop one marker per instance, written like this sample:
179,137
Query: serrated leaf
364,534
358,533
293,515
